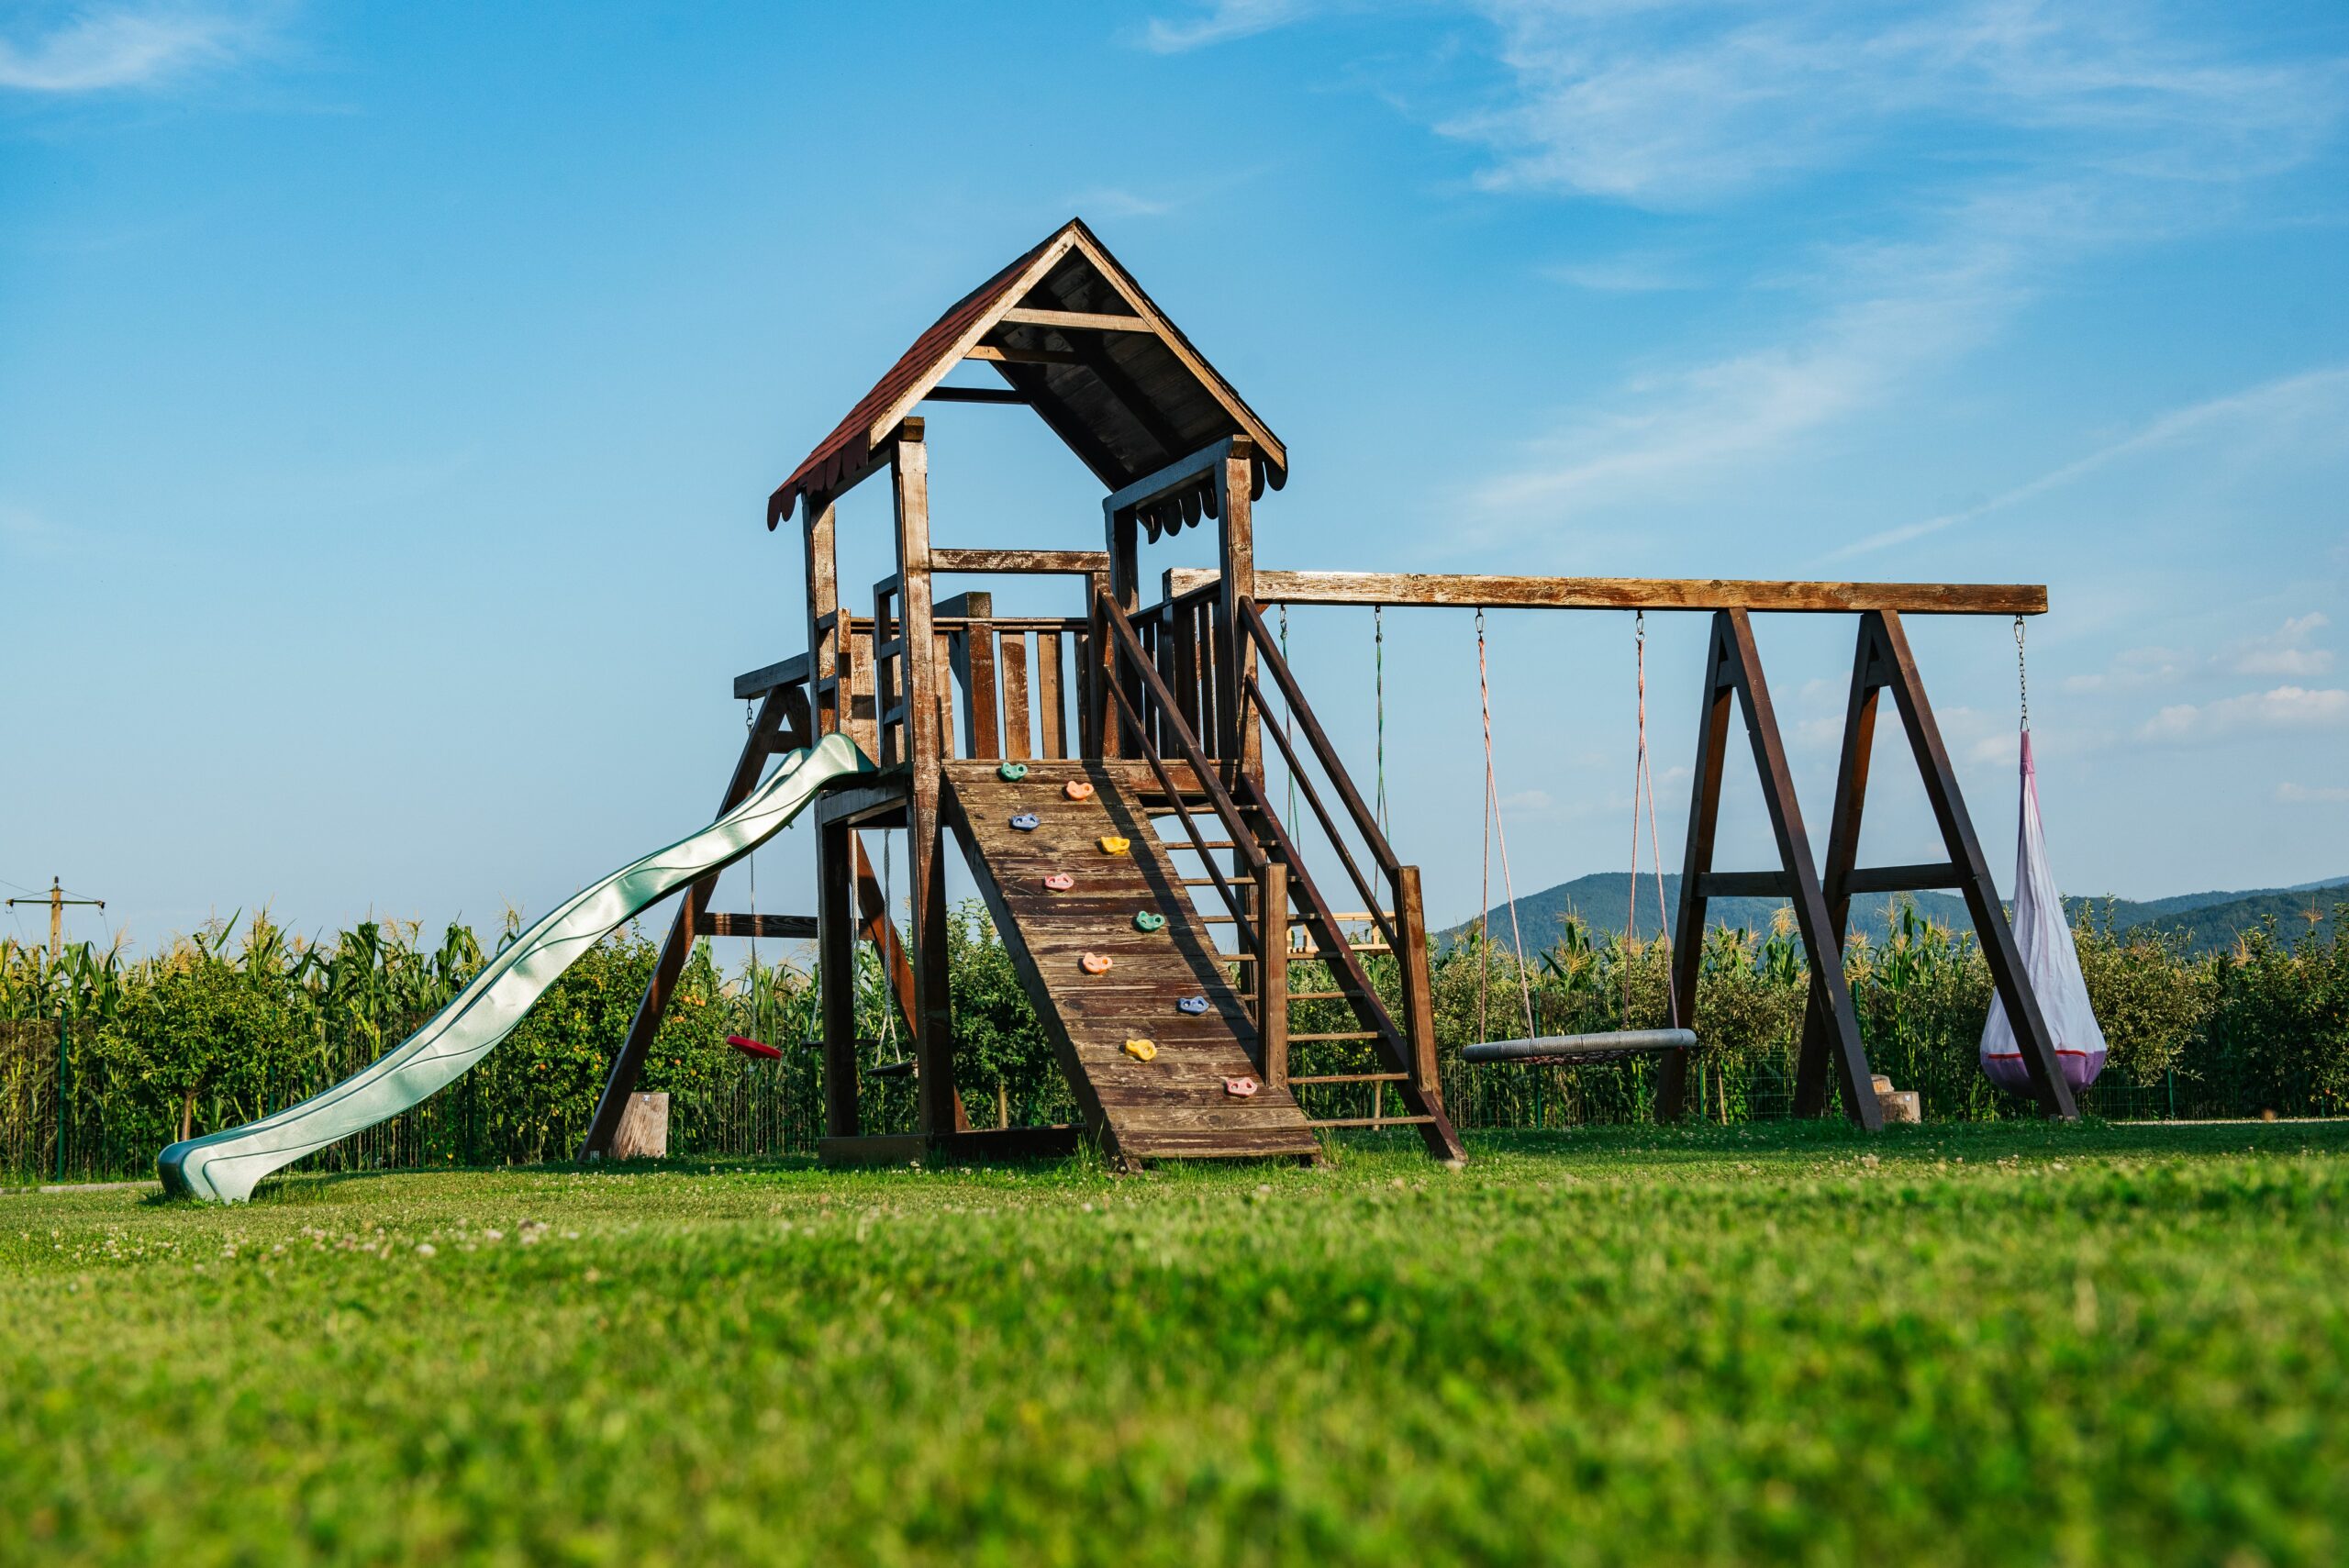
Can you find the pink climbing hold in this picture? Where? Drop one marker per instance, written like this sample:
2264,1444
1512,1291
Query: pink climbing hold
1060,881
1239,1088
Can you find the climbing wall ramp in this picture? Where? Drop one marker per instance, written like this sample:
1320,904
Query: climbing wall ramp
1175,1104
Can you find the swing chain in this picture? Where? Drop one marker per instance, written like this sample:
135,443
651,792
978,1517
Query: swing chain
2023,674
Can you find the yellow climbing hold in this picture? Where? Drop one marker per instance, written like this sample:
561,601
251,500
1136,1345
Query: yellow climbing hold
1143,1049
1113,845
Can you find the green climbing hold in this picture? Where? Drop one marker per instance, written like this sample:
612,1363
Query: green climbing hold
1012,772
1147,921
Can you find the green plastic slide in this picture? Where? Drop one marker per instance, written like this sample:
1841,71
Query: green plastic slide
223,1166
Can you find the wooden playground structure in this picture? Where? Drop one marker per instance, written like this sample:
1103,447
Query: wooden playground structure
989,730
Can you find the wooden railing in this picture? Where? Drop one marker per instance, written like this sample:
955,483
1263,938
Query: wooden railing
1394,910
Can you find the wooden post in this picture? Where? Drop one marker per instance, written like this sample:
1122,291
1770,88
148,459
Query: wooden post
1897,668
826,635
1272,972
1238,743
1419,990
1842,855
1734,667
836,976
1124,584
939,1105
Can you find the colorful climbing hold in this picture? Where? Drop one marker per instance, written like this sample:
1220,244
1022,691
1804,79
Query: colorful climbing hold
1239,1088
1078,789
1192,1005
1094,963
1060,881
1012,772
1027,822
1113,845
1143,1049
1150,921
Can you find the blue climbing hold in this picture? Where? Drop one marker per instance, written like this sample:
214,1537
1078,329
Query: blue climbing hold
1192,1004
1027,822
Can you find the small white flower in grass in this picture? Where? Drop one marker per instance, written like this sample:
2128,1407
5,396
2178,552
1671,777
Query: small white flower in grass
425,1249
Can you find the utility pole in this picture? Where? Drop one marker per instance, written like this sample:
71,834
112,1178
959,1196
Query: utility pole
57,901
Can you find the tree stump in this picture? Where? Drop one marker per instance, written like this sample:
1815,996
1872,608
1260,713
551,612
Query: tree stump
643,1132
1899,1105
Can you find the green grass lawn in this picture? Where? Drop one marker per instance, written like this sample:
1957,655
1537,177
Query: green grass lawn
1962,1345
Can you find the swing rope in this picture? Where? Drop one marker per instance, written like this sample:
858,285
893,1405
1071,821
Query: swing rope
1494,829
1643,782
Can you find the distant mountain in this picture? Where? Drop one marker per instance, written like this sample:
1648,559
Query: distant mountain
2207,922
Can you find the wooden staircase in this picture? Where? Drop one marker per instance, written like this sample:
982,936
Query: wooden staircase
1174,1105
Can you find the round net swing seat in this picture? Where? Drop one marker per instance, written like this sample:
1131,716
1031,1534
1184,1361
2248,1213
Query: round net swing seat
1581,1050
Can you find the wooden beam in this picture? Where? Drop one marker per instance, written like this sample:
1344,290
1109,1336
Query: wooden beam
976,394
994,354
1182,473
1012,563
1904,879
1747,884
758,683
1073,320
1480,591
775,928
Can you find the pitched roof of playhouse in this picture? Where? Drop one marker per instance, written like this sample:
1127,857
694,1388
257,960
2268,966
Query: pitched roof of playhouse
1127,402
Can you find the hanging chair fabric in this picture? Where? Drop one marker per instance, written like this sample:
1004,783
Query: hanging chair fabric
2049,962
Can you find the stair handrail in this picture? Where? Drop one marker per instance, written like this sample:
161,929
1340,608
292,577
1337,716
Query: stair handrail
1129,646
1269,658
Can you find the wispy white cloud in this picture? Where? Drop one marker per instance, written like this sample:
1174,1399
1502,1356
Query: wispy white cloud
2057,133
2289,651
2282,709
102,48
1633,273
1219,22
2313,402
2133,669
2291,793
1116,201
1679,105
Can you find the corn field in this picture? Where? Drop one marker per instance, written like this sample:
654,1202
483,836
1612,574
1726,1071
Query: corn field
103,1059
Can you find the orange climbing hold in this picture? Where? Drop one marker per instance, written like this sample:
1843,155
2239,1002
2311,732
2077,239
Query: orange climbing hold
1078,789
1094,964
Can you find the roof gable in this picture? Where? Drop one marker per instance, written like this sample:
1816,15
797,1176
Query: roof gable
1127,401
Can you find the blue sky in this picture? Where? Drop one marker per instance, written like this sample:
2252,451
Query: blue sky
388,397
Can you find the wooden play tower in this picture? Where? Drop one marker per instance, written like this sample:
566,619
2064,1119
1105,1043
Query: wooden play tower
1158,709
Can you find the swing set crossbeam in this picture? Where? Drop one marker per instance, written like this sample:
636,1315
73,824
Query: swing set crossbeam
1464,590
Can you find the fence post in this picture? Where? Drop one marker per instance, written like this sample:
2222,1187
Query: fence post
60,1088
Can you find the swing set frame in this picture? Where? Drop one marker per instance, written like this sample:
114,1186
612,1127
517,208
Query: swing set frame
1821,896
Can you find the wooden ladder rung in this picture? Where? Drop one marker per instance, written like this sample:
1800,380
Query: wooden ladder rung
1317,995
1342,1034
1375,1121
1210,882
1353,1077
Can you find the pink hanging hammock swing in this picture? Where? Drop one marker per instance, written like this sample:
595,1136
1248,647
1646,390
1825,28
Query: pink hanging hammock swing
2043,937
